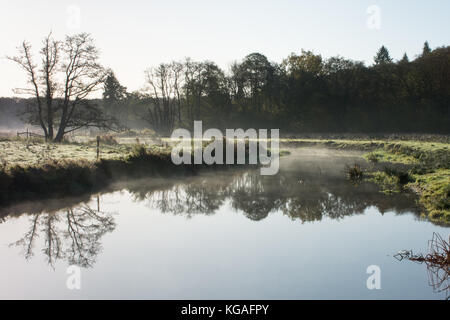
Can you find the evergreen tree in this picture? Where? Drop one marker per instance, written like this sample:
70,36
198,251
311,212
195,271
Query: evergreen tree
382,56
405,58
426,49
113,90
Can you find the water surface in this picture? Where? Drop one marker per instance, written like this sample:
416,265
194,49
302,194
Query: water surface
306,233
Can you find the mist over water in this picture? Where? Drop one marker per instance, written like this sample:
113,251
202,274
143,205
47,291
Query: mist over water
306,232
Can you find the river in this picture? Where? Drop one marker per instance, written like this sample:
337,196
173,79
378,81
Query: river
305,233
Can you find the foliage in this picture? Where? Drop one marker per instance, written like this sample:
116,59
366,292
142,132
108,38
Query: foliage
305,93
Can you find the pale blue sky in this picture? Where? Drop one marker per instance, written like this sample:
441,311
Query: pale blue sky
134,35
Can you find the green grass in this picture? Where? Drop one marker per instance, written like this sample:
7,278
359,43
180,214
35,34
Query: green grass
378,156
434,189
391,180
388,183
401,151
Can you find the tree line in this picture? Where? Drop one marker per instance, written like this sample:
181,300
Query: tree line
303,93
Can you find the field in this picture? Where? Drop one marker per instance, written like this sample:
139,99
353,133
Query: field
35,152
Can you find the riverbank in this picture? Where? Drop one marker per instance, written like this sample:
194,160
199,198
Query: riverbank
422,167
70,169
33,168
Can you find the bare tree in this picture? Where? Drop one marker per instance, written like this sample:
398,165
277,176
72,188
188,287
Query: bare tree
193,88
62,86
164,84
50,53
25,61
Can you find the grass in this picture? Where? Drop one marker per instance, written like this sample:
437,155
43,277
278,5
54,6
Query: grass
398,150
386,156
33,168
35,152
434,189
354,173
69,167
426,170
392,180
62,176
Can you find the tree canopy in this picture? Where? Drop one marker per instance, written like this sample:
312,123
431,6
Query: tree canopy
303,93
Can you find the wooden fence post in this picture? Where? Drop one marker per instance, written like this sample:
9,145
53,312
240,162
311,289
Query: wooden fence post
98,147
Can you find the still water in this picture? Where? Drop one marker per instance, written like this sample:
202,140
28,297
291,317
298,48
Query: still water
306,233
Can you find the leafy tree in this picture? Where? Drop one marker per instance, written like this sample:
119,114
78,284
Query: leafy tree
306,62
254,71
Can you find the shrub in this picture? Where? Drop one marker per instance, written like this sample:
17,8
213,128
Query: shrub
354,173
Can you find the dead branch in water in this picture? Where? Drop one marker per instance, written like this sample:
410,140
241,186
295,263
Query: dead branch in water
437,261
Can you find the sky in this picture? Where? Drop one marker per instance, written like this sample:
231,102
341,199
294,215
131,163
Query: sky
134,35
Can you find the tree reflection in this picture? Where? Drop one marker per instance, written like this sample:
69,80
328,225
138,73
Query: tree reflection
257,196
85,228
73,234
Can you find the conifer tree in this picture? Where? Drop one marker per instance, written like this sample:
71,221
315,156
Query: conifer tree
382,56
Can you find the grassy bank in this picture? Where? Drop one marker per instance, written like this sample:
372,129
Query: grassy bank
34,152
34,168
30,168
420,166
75,175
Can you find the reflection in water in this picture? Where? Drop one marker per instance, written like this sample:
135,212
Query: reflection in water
309,188
304,191
256,196
437,261
73,235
